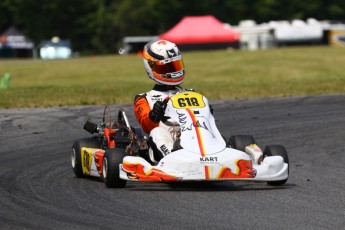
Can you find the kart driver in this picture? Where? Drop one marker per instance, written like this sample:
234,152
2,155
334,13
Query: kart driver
163,64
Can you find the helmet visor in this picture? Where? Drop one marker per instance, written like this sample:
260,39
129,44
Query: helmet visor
164,67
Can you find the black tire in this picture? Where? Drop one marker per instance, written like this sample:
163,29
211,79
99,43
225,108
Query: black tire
111,173
76,153
240,142
277,150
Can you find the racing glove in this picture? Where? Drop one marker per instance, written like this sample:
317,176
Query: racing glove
157,112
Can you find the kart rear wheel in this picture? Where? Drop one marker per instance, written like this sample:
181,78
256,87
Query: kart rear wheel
240,142
277,150
111,173
76,153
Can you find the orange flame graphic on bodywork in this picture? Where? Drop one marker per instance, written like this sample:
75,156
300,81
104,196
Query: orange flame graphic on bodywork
244,170
136,171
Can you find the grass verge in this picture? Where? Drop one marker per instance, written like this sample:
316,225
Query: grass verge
218,74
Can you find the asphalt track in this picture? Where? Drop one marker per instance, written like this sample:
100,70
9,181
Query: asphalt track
38,189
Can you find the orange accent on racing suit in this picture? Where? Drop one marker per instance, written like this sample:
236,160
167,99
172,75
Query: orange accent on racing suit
143,104
141,111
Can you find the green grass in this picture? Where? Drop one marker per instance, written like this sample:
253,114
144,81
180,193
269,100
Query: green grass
218,74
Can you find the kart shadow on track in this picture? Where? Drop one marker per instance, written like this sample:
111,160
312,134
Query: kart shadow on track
195,186
209,186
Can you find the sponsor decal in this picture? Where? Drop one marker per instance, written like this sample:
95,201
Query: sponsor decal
197,121
183,122
171,53
156,98
164,149
209,160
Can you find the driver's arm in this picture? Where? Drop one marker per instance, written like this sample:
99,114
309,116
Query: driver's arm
141,111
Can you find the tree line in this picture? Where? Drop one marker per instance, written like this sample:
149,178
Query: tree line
98,26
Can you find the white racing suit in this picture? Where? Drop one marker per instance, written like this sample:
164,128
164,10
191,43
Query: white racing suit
162,136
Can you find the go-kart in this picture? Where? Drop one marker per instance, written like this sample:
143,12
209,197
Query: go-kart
119,153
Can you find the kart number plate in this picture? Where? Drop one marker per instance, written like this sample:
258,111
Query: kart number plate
190,100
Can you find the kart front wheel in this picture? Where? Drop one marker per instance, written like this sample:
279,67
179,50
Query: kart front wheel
240,142
77,155
111,172
277,150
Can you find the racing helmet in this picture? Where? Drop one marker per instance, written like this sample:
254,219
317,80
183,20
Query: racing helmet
163,62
